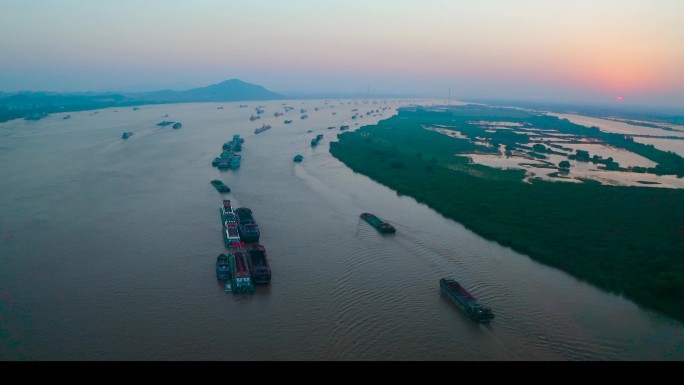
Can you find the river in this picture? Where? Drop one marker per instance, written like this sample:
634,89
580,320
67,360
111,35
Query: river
108,246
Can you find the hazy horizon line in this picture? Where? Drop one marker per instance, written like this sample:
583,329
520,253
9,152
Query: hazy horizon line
302,94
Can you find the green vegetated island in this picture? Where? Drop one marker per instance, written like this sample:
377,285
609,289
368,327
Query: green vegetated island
628,240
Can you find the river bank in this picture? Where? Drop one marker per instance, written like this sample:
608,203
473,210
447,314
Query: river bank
626,240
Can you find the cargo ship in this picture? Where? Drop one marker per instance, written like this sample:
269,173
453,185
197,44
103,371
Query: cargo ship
249,230
241,278
465,301
258,264
231,234
223,267
226,210
378,223
220,186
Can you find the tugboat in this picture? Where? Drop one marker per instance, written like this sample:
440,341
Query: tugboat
223,267
378,223
465,301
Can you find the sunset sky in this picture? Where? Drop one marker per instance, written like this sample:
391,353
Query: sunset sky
588,51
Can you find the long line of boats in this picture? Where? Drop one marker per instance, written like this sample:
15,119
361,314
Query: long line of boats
246,261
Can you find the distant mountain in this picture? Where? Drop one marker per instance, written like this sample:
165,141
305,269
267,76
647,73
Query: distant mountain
39,104
228,91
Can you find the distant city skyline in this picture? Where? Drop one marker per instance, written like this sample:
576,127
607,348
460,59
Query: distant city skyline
577,51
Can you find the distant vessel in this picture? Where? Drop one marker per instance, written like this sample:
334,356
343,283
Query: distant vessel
220,186
126,135
234,144
277,113
243,105
215,162
465,301
317,139
378,223
219,108
298,158
305,116
258,264
345,127
253,118
164,123
66,117
177,125
249,230
223,267
263,128
288,121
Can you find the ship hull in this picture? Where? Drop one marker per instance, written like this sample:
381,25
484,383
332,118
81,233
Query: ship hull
378,223
463,300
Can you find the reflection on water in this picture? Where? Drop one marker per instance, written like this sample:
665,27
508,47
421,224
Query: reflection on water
108,249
